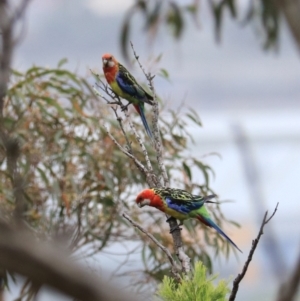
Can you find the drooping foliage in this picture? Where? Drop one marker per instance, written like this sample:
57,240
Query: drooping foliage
177,15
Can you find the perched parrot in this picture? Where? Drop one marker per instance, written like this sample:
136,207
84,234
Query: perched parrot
180,204
125,86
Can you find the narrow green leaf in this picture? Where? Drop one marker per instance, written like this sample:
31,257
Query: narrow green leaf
62,62
187,170
53,102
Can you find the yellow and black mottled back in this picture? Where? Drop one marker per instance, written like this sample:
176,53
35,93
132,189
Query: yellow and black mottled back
178,194
181,201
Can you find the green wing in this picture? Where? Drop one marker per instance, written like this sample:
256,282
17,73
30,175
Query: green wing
181,200
129,85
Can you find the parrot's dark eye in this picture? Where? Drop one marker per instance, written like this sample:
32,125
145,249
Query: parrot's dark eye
110,58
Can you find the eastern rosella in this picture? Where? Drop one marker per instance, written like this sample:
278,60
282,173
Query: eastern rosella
180,204
125,86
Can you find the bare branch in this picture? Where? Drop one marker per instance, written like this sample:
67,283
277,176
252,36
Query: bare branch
118,102
6,28
164,181
175,269
138,138
8,18
157,141
255,242
153,180
139,165
119,119
5,53
18,12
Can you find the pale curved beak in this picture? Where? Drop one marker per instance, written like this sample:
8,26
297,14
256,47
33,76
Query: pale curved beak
144,203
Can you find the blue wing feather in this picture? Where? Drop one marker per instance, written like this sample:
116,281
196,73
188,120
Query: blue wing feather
129,85
183,206
125,86
131,88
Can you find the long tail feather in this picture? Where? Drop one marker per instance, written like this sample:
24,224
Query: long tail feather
210,223
140,110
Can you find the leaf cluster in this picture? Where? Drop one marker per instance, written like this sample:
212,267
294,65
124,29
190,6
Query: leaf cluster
196,287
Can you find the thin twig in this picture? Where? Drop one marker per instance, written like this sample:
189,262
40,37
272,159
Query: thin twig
116,100
19,11
7,23
6,53
164,249
123,131
8,18
255,242
153,179
157,141
119,119
139,165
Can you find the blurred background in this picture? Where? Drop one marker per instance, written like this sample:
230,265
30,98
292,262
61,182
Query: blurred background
248,100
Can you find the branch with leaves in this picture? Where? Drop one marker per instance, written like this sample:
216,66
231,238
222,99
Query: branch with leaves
174,266
177,14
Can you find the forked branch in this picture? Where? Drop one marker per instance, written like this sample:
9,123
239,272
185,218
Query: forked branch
255,242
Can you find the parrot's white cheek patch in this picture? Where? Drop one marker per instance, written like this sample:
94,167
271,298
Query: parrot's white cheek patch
111,64
144,203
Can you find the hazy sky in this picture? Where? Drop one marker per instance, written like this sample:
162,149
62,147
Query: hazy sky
235,74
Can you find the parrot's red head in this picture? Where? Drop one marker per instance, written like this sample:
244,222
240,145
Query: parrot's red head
145,197
110,67
108,61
